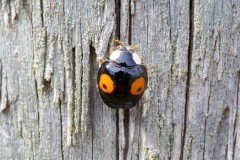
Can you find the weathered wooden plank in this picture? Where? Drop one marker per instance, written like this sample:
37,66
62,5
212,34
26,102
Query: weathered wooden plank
61,43
214,84
49,103
18,117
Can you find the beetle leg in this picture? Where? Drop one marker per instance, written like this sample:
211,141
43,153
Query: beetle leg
141,57
118,42
151,68
135,47
100,60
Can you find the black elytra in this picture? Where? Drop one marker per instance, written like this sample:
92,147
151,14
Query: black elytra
122,79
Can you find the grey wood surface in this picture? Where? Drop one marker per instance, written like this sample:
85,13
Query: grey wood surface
50,107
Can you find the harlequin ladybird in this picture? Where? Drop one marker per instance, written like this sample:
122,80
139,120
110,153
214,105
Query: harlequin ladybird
122,79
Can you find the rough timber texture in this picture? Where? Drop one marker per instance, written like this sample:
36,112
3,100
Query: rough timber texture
49,104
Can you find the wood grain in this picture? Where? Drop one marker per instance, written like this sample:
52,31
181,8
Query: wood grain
50,107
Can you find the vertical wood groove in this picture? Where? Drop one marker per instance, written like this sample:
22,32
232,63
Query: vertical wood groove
61,128
127,111
126,132
0,81
117,36
190,50
81,83
92,91
118,18
130,24
42,12
73,59
117,134
236,115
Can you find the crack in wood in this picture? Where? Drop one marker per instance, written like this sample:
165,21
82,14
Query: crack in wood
61,128
127,112
234,146
118,18
117,134
1,73
117,36
93,67
38,114
171,141
130,24
38,123
80,76
190,50
73,86
126,132
42,11
236,115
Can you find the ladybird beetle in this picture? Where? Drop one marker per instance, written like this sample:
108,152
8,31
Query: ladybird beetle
122,79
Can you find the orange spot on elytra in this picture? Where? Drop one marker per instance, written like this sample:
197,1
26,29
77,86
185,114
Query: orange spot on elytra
137,86
106,83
